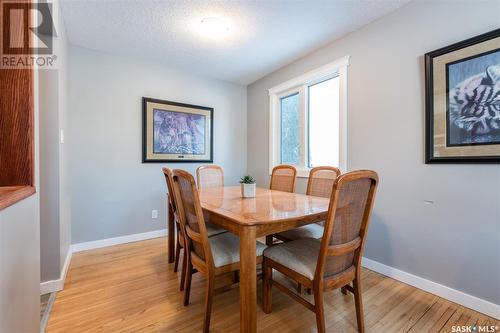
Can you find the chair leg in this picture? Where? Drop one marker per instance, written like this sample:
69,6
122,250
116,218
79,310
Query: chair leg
269,240
187,287
267,287
343,290
318,308
184,268
299,288
236,276
177,254
209,293
358,301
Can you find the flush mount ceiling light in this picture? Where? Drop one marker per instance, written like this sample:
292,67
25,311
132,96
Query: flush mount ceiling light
214,27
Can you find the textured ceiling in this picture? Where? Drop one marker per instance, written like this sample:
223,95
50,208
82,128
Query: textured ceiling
264,35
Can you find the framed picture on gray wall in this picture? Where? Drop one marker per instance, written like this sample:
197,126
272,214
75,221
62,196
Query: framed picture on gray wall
462,90
176,132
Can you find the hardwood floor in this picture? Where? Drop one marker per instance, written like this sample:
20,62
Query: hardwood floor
44,301
131,288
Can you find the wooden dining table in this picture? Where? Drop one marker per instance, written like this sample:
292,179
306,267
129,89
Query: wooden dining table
251,218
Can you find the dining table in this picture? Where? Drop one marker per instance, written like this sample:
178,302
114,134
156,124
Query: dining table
267,213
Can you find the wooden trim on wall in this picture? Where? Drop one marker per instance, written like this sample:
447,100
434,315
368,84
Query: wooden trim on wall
17,147
9,195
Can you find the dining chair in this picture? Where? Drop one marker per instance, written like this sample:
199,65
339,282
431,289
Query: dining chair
320,184
211,256
333,261
283,178
180,243
209,176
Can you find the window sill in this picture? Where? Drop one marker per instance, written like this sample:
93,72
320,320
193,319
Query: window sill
9,195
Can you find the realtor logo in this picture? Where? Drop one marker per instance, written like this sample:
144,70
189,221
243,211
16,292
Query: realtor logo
26,41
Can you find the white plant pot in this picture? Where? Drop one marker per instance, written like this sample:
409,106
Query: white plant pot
248,190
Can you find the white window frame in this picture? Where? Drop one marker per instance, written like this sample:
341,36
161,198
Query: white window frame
300,84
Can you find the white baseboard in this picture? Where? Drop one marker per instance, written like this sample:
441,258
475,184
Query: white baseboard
117,240
56,285
51,286
453,295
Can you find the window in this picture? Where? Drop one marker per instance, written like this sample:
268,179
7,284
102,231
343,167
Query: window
308,119
290,126
323,126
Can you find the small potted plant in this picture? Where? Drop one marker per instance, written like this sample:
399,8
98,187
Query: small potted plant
248,186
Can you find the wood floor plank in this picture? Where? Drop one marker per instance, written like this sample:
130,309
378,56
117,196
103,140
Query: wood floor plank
131,288
399,318
461,317
435,318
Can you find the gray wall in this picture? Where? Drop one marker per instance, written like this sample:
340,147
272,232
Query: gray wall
50,268
112,192
64,148
455,241
55,217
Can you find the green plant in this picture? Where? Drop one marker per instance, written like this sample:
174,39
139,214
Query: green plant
247,180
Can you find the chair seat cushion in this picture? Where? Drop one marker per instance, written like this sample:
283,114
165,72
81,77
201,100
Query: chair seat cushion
226,249
300,255
307,231
213,229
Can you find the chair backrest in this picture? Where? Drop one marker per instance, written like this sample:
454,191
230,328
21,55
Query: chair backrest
346,226
321,179
170,188
172,200
283,178
209,176
191,219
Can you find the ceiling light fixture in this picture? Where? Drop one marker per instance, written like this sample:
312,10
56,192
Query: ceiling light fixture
214,27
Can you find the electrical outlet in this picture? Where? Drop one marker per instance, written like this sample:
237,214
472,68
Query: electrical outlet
154,214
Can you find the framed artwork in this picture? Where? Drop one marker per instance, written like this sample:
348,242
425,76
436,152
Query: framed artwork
462,91
176,132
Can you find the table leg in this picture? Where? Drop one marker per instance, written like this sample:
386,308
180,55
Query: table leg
248,280
171,232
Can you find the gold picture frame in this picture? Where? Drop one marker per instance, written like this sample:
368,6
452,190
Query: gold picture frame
463,101
176,132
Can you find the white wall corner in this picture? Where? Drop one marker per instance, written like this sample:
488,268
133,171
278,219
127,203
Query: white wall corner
453,295
57,285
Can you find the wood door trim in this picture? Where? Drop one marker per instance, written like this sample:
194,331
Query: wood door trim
9,195
17,128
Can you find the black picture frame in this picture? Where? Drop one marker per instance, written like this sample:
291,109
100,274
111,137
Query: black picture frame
180,157
429,101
